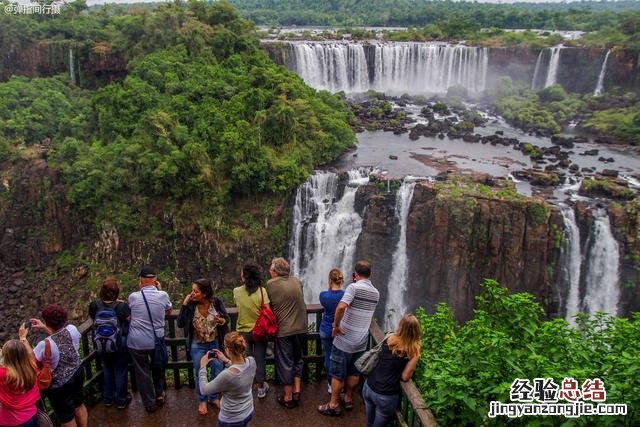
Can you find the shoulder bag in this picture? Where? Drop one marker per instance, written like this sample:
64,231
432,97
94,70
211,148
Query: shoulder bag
266,326
369,360
45,376
160,355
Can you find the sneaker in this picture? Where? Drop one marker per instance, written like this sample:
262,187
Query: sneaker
262,391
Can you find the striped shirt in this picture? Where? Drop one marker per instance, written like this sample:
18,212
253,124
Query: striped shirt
361,298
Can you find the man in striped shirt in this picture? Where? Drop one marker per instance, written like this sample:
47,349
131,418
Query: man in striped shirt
351,331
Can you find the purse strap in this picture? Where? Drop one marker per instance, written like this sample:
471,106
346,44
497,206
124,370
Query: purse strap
47,352
149,312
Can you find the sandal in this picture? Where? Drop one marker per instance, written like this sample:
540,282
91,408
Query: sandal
289,404
161,399
327,410
348,406
296,397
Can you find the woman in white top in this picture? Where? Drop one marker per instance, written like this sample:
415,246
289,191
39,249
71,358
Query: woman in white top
234,382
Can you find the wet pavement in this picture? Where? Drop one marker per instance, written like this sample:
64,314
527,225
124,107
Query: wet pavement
181,410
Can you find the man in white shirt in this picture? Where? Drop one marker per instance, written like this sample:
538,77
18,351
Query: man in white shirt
142,333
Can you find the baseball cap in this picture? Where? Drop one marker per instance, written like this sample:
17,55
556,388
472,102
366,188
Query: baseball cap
147,272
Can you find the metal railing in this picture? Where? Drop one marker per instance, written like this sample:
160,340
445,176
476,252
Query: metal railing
412,410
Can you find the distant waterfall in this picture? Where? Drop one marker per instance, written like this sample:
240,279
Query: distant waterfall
554,61
390,67
325,229
602,292
72,72
600,85
571,262
396,307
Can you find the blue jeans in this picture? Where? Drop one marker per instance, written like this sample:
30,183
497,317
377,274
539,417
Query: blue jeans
114,375
199,349
379,408
243,423
327,345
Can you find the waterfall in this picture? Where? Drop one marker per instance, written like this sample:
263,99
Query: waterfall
571,260
602,292
600,85
325,230
536,71
72,73
395,307
552,72
403,67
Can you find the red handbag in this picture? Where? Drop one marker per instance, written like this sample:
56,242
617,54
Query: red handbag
266,326
44,373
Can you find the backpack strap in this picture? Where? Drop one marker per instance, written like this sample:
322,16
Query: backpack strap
261,297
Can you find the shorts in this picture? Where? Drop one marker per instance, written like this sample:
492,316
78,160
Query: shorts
343,364
66,398
288,357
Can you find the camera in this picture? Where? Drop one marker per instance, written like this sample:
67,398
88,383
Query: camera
212,354
27,324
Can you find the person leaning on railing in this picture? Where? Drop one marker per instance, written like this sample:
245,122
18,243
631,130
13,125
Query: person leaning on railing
205,321
18,386
114,356
397,360
249,298
66,393
234,382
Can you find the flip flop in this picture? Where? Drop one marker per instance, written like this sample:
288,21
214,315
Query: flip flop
289,404
327,410
348,406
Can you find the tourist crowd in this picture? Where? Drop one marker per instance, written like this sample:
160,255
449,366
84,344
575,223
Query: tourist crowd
230,365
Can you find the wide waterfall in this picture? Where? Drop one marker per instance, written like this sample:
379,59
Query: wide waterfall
325,229
409,67
600,84
571,262
396,307
602,291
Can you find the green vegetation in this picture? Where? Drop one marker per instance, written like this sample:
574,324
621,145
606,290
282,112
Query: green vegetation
463,367
587,15
614,115
202,116
539,212
606,188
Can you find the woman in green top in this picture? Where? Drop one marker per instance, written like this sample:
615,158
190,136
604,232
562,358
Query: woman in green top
248,298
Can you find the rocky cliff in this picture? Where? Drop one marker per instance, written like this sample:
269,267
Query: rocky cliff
456,236
50,253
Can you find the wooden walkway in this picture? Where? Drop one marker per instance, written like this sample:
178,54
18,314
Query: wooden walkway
181,410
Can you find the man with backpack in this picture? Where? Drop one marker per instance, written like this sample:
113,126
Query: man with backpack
110,329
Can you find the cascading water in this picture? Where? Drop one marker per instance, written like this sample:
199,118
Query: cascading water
600,84
325,230
602,292
395,307
536,71
72,73
391,67
554,61
332,66
571,261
